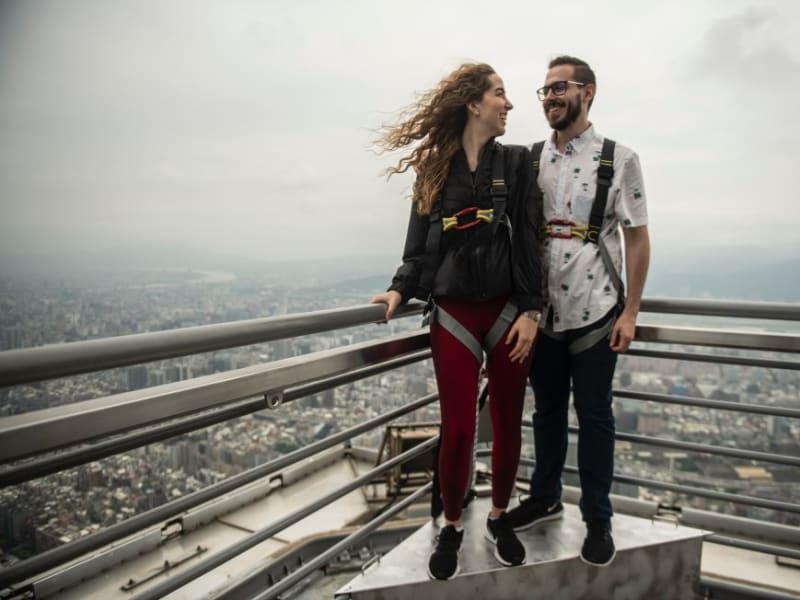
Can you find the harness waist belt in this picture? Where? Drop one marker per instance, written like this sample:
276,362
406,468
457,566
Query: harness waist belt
560,228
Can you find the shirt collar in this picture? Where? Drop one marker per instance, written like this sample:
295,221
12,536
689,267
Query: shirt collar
576,144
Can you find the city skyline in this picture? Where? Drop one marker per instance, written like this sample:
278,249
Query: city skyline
107,491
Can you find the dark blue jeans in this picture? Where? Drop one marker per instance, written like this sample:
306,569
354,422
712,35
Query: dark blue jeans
590,372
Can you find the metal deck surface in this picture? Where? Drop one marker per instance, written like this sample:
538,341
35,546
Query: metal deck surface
655,559
228,529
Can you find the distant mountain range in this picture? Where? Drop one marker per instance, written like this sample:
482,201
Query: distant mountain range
767,282
723,273
727,273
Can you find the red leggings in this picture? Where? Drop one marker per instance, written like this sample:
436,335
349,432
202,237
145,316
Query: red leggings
457,372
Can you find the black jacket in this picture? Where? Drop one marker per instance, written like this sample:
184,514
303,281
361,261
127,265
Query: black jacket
471,263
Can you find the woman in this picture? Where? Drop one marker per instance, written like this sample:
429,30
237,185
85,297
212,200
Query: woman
483,284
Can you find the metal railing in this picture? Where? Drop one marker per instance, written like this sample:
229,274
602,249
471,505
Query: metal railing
124,421
36,432
60,360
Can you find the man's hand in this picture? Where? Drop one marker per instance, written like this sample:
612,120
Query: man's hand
623,332
391,299
637,261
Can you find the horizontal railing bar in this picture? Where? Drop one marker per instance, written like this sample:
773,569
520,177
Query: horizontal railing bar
62,554
723,359
323,559
754,546
783,311
72,457
688,490
741,590
60,360
314,387
180,579
744,527
774,411
706,448
711,494
44,430
781,459
695,336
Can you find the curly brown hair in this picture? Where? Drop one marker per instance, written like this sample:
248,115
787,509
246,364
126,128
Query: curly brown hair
436,120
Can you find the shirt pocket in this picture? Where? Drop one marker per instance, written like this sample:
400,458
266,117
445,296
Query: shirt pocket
582,208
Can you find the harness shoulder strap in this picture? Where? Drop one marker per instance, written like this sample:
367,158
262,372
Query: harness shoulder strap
536,154
616,280
605,174
499,189
536,158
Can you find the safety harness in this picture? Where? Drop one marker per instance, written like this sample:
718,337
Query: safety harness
560,228
448,322
459,221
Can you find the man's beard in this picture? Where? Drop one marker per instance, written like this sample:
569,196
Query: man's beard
572,114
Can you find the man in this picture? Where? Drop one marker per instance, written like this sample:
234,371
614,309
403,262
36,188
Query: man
584,323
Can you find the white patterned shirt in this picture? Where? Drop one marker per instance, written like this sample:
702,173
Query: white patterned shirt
579,289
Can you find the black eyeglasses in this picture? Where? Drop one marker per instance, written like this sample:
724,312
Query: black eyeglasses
559,88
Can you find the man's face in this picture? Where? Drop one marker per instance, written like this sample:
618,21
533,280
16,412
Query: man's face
562,111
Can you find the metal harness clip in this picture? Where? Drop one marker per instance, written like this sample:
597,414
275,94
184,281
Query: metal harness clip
480,215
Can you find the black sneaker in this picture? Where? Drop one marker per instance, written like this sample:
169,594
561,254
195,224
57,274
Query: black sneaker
598,547
443,563
507,548
531,511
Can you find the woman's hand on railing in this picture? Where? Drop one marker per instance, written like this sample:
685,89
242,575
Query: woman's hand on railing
391,299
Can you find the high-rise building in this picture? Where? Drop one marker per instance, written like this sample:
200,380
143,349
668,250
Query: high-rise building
11,338
137,377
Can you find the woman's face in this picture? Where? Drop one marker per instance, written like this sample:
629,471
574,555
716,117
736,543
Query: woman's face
492,109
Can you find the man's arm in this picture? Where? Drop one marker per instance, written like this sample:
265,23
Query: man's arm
637,261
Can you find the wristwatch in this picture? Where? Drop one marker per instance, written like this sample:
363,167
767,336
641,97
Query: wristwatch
533,315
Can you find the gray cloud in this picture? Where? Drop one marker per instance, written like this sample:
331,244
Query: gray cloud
244,125
742,50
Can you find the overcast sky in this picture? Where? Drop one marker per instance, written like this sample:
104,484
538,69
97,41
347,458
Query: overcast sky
244,126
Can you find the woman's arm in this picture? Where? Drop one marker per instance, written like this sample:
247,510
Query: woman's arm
525,211
406,278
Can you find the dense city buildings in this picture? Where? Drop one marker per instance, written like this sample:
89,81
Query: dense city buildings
46,512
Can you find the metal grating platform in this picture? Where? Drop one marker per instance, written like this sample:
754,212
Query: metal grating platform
655,559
